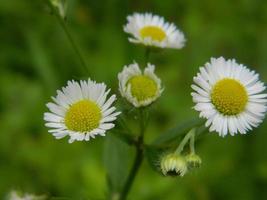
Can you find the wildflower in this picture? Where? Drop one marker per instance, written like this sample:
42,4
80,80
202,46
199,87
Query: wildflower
229,96
81,110
193,160
152,30
140,89
173,165
14,195
60,6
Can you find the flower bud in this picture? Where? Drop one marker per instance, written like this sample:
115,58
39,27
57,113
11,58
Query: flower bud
60,6
193,161
55,2
173,165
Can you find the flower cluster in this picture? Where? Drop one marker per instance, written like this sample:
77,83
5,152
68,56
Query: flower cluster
228,95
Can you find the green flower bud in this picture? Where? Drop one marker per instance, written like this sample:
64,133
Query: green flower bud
60,6
173,165
55,2
193,161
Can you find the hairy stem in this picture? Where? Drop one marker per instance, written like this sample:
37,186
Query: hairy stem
138,158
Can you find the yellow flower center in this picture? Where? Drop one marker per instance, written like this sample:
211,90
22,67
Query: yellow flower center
229,96
143,87
83,116
154,32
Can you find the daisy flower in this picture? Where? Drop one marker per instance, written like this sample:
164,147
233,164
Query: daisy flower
152,30
81,110
140,89
229,96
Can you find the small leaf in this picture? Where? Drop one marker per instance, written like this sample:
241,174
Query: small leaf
174,133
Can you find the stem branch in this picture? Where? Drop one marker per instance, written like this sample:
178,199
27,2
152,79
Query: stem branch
185,140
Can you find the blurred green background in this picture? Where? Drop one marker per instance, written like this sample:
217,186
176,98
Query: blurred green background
36,59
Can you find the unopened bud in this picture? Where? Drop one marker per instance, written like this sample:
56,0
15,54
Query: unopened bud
193,160
173,165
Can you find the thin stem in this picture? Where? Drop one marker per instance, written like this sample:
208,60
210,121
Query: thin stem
184,141
138,157
192,143
147,54
74,45
70,38
142,122
139,147
136,165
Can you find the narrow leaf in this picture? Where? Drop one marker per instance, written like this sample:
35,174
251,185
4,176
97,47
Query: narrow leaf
116,160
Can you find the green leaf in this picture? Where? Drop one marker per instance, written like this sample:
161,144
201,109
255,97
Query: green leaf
174,133
117,156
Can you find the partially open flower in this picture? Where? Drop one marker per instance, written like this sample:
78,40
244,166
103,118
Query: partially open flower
152,30
140,89
173,165
193,160
81,110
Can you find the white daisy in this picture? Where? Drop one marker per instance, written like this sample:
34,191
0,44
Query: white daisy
152,30
81,110
140,89
229,96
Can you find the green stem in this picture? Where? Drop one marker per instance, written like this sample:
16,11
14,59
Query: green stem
192,143
74,45
71,39
136,165
147,54
138,157
185,140
139,147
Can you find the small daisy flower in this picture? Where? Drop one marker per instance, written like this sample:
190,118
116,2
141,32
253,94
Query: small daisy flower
173,165
229,96
140,89
152,30
81,110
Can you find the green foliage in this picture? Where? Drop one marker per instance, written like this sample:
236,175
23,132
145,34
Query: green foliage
179,130
116,160
36,58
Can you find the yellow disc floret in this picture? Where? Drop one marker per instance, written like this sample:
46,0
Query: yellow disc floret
154,32
83,116
143,87
229,96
